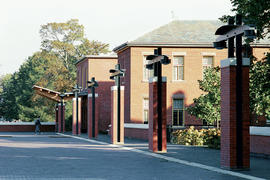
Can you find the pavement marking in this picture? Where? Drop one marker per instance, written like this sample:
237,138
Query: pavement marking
184,162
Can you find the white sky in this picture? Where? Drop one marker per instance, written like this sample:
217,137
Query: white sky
113,22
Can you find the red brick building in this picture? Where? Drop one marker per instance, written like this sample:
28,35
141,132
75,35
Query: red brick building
187,43
98,67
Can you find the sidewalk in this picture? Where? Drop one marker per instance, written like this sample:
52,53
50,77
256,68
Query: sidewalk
259,166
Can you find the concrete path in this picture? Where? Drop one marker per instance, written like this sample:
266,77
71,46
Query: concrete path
51,156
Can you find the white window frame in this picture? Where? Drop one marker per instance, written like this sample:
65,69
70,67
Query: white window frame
145,108
144,54
183,54
206,65
179,109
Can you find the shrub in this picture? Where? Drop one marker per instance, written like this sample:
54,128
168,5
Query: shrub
212,138
192,136
189,136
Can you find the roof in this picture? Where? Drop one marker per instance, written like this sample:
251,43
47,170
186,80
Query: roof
103,56
189,33
50,94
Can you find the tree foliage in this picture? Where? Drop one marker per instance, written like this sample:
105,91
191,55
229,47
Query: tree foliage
53,67
260,86
207,106
255,12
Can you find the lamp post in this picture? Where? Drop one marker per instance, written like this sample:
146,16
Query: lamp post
116,74
62,96
76,90
154,62
93,84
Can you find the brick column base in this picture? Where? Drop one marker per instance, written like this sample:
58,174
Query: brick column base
153,116
74,120
89,116
59,118
230,159
114,123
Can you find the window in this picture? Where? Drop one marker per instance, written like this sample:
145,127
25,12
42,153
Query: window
86,77
81,82
178,68
146,72
178,112
145,110
207,62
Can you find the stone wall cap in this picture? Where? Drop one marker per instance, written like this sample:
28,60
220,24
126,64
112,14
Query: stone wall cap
90,95
114,88
136,126
232,62
154,79
259,131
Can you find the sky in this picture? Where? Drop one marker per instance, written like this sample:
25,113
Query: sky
113,22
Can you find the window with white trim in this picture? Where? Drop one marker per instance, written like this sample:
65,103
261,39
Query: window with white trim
146,72
207,62
178,68
145,110
178,112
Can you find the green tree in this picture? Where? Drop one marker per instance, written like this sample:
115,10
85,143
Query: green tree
256,12
8,106
67,41
260,86
53,67
207,106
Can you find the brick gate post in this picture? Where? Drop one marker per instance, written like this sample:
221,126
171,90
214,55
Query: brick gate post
74,120
231,156
116,137
153,116
90,116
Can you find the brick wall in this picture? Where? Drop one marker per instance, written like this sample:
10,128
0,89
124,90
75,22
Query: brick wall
26,127
98,67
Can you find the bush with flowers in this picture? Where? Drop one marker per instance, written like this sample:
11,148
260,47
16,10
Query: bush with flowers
195,137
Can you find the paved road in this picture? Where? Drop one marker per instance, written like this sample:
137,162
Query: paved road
27,156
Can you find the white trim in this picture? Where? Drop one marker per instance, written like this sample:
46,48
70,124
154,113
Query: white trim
171,159
179,53
114,88
260,131
147,53
25,123
154,79
90,95
136,126
208,54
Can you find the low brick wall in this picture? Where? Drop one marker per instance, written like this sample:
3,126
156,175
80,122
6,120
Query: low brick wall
260,140
26,127
138,131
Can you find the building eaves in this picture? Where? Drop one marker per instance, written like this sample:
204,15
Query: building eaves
110,56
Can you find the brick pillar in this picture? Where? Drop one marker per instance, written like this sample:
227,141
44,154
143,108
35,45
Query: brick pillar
229,144
74,121
56,118
153,115
89,116
114,123
59,118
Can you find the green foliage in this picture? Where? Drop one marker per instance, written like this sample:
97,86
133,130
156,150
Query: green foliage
254,12
53,67
260,86
211,138
207,106
187,137
192,136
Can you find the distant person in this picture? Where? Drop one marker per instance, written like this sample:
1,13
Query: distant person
37,124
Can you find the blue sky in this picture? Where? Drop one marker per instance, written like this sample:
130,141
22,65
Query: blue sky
112,22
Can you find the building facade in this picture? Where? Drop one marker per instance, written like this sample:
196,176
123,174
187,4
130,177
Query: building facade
189,46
